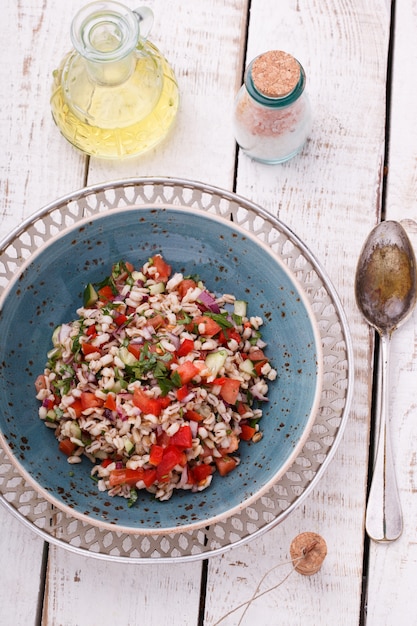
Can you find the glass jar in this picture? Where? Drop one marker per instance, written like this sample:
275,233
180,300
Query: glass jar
114,95
272,114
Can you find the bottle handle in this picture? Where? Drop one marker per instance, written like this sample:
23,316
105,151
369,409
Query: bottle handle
144,16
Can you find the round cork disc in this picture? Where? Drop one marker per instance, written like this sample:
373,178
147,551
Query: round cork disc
275,73
312,548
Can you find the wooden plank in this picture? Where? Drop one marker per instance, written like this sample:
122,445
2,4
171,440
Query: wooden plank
391,601
21,552
84,591
197,43
31,173
30,176
329,196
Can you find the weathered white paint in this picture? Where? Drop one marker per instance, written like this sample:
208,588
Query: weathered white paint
391,596
330,196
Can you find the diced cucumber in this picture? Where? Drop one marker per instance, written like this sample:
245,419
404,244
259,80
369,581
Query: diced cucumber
55,336
215,361
75,430
55,353
240,308
247,367
126,357
156,289
128,444
117,387
138,276
90,295
50,416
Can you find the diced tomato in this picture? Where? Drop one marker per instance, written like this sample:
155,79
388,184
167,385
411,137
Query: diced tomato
258,366
219,381
120,319
156,454
127,476
91,331
226,335
193,416
230,390
40,383
135,349
67,446
162,267
182,393
87,348
242,408
187,345
247,432
77,407
156,321
110,402
172,456
209,326
164,401
200,472
187,371
183,438
145,403
206,452
162,439
89,400
106,462
225,464
49,403
257,355
149,477
106,293
185,285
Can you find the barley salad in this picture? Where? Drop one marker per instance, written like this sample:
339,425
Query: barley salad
157,382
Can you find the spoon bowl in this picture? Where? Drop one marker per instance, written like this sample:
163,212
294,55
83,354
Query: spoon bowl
386,291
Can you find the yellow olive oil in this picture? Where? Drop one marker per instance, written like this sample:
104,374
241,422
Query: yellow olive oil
112,120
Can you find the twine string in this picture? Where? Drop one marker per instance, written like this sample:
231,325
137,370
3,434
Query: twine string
257,594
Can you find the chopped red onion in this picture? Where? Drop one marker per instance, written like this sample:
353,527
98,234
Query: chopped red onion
194,428
108,414
256,393
184,477
188,397
148,331
207,300
174,340
64,332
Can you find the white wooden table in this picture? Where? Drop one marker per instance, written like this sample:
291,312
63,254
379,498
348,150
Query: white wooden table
357,168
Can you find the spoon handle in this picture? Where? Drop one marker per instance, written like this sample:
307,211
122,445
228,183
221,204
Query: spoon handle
383,514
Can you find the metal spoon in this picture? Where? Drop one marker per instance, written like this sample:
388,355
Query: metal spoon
385,290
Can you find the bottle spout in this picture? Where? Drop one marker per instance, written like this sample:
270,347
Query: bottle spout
106,35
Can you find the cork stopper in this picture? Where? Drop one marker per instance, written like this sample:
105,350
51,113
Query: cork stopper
308,551
275,73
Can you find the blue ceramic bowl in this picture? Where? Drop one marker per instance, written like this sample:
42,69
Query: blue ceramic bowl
228,259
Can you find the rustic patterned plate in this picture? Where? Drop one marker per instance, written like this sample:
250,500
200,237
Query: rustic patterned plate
56,525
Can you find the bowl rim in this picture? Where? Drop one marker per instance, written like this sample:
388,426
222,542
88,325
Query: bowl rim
219,517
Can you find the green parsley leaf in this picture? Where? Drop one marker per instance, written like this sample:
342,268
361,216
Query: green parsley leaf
176,379
133,497
221,319
184,319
